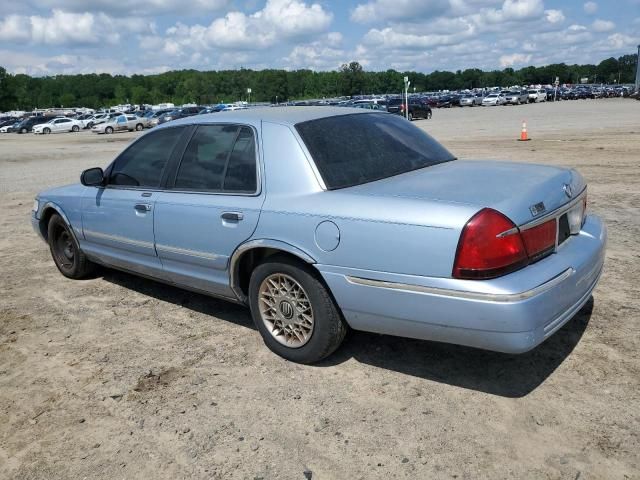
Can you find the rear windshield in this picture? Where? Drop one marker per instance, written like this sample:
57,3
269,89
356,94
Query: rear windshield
355,149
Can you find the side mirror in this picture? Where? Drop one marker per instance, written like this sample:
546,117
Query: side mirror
92,177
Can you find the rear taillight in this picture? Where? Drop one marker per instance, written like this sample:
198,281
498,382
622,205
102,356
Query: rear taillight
491,245
484,251
540,240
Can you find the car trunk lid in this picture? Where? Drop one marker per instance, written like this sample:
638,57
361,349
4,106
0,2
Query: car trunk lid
521,191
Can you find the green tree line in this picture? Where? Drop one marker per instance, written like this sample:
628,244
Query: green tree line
23,92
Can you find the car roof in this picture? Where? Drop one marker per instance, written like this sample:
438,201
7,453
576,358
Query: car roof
283,115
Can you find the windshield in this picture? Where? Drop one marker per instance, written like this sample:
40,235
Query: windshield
360,148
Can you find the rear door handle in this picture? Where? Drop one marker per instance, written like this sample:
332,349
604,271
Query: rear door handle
232,216
142,207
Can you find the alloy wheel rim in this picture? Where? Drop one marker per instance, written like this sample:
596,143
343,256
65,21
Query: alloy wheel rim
285,309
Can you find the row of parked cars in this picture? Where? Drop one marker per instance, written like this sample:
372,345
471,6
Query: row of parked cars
106,122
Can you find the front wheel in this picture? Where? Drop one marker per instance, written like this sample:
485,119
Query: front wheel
46,131
294,311
65,251
23,130
75,129
108,130
139,127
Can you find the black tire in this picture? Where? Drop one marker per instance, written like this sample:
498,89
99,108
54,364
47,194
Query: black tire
65,251
75,129
410,117
139,127
108,130
429,114
89,125
46,131
23,130
329,329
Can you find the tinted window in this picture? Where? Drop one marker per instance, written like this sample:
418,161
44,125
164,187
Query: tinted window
359,148
141,165
219,158
241,172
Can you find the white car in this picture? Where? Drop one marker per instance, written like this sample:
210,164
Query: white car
232,108
493,99
120,123
58,125
537,95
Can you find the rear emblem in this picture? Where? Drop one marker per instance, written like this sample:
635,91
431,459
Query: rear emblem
567,190
537,209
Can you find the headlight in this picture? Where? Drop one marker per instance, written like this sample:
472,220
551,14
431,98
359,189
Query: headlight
36,205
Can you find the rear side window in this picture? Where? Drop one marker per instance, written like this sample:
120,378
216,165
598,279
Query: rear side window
141,165
359,148
219,158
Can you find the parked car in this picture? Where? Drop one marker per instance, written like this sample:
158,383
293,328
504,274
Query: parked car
537,95
468,101
10,128
27,124
120,123
418,108
58,125
493,99
179,113
516,97
155,117
341,217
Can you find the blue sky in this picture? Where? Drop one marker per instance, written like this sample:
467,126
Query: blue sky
47,37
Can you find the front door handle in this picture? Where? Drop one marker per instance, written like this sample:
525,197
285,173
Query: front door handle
232,216
142,207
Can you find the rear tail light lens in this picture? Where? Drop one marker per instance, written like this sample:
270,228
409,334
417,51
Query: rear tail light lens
540,240
484,251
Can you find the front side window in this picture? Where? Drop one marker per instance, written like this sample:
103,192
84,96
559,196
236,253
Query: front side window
359,148
219,158
141,165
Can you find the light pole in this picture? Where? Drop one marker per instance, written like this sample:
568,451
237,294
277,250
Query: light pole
276,99
248,95
406,97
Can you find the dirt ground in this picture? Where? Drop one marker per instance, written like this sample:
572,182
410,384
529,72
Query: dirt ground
119,377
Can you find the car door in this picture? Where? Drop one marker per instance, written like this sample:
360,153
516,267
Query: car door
121,123
117,219
212,205
63,125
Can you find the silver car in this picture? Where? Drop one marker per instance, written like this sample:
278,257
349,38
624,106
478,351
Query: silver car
320,219
516,97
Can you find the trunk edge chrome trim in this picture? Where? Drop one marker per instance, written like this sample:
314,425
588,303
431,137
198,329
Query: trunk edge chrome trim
557,213
445,292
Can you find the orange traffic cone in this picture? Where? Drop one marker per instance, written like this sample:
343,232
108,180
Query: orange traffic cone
523,133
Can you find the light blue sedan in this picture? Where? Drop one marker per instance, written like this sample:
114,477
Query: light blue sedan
322,218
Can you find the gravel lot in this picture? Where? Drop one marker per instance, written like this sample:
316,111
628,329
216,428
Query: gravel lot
120,377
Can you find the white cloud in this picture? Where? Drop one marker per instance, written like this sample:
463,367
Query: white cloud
514,59
377,10
590,7
554,16
278,21
603,25
64,28
134,7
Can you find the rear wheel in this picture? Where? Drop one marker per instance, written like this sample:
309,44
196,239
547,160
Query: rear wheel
65,251
23,130
294,311
139,127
